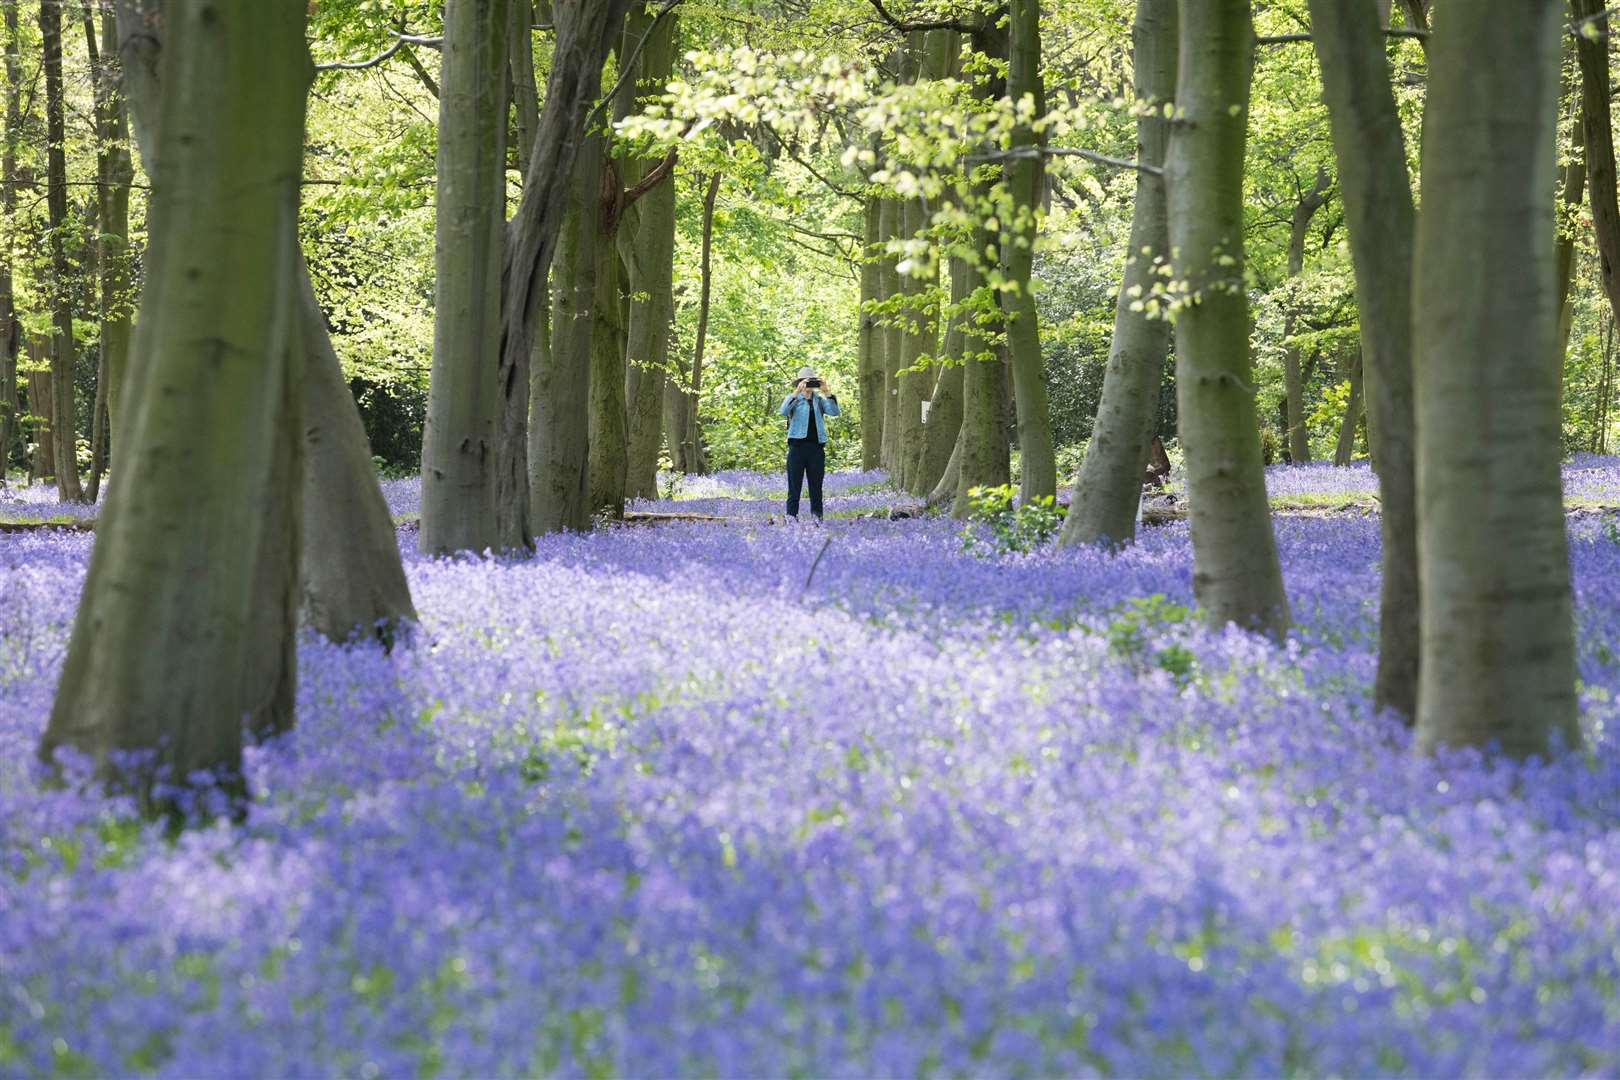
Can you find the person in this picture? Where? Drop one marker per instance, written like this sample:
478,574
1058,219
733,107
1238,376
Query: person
806,409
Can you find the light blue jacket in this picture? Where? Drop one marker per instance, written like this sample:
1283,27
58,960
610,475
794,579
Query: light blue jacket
798,411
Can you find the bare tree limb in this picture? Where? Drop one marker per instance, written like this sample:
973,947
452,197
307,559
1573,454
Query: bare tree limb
809,168
627,64
1066,151
1285,39
961,26
653,178
422,73
400,41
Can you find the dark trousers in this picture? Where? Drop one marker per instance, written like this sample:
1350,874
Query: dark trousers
806,457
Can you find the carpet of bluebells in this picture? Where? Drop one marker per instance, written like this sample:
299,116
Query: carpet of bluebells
660,802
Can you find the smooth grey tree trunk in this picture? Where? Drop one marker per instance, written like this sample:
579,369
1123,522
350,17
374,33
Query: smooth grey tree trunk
1598,139
1345,450
1108,491
353,582
1025,178
559,394
930,58
871,336
1498,648
1299,438
459,439
696,460
646,242
10,331
585,31
352,578
942,434
984,459
890,215
608,435
115,171
64,353
1571,193
173,603
1370,152
919,339
1236,576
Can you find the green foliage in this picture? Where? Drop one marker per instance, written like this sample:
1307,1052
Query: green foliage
1011,527
1139,622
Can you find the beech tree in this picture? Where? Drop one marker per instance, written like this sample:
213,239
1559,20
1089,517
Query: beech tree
353,581
459,440
64,357
115,171
10,329
1108,492
152,688
1498,650
1024,182
1236,574
647,247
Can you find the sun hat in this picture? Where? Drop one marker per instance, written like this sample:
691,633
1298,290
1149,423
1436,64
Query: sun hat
806,372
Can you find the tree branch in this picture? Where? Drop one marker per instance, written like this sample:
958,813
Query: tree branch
905,27
1389,31
627,64
1066,151
652,179
422,73
809,168
400,41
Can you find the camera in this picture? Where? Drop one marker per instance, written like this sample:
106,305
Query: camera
814,384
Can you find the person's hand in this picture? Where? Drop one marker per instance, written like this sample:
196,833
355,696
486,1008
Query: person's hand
826,386
802,390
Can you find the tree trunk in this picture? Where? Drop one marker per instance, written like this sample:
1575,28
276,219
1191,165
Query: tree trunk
1236,576
520,69
984,458
647,247
353,580
1598,132
919,340
458,445
1371,155
871,337
931,55
64,356
1299,438
1571,192
607,431
115,172
42,462
1108,491
556,495
696,460
510,472
890,216
10,330
941,435
1345,450
1498,652
98,433
944,427
559,394
173,607
676,403
1025,183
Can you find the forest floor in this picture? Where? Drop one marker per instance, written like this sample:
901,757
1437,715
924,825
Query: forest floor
650,803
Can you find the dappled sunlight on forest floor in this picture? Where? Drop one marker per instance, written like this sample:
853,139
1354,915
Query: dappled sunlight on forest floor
661,801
